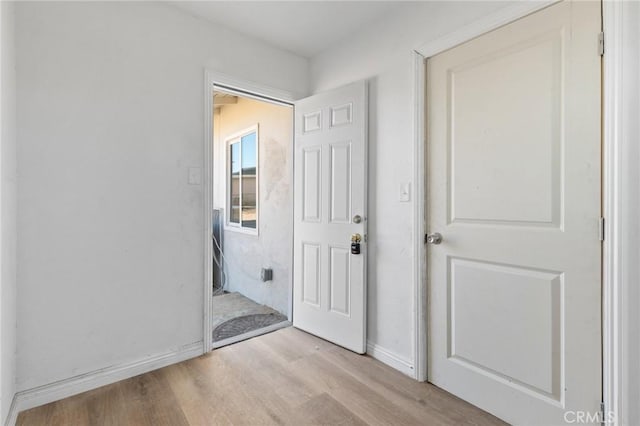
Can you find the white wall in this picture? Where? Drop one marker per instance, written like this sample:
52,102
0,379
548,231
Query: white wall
110,118
8,203
382,53
271,248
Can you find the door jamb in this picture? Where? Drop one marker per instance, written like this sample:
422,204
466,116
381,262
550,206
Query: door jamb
251,89
615,192
420,340
612,191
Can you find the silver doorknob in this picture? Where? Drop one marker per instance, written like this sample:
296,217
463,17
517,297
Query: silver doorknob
434,238
357,219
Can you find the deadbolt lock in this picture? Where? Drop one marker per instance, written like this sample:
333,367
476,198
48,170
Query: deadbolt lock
355,243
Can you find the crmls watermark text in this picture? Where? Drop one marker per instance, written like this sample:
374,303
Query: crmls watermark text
589,417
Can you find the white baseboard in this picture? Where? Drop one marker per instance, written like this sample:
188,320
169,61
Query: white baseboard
56,391
392,360
12,415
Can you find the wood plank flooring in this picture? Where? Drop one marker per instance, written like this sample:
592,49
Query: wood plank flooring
287,377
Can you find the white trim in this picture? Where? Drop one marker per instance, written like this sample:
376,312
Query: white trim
483,25
12,414
365,206
292,218
249,95
612,304
385,356
419,221
207,192
249,89
56,391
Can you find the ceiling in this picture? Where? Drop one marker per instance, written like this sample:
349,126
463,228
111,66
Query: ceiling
302,27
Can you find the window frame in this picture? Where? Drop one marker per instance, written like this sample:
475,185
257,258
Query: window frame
230,140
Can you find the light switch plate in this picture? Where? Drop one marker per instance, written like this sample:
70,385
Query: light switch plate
195,176
405,192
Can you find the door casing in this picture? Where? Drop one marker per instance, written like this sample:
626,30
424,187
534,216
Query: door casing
259,92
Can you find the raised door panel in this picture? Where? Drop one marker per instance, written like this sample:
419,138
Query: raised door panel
340,182
505,163
312,184
312,122
311,279
506,321
339,280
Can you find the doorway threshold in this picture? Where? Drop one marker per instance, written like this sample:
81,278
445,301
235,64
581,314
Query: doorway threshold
250,334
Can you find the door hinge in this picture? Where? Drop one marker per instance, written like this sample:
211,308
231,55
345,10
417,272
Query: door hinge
601,229
601,44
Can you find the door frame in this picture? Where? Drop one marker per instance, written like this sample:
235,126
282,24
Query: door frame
613,193
256,91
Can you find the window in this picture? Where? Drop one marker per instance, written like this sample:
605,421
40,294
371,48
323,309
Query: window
242,177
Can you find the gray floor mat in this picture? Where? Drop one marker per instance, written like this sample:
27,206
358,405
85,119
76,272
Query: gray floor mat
245,324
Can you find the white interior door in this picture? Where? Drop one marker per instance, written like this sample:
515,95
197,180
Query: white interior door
329,294
514,191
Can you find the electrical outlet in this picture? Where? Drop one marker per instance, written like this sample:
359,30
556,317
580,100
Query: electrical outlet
266,274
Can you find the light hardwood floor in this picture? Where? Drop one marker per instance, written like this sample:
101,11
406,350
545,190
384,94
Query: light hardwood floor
286,377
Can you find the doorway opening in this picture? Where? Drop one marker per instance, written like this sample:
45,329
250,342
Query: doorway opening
251,217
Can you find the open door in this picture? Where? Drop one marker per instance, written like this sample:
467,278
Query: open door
330,214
